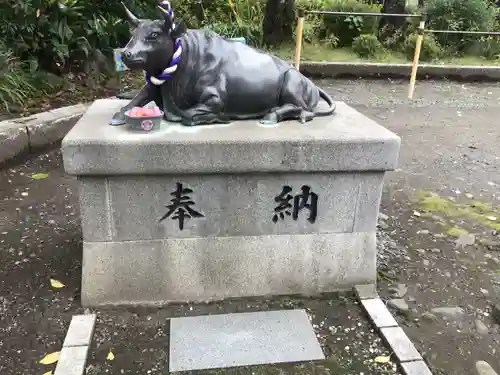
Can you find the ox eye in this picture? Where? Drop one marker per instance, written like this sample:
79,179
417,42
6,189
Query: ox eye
153,35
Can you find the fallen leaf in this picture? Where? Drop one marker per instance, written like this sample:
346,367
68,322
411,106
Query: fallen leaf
110,356
491,218
39,176
56,284
416,213
50,358
382,359
48,373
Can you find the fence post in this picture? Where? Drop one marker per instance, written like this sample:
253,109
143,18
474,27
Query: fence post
416,57
298,43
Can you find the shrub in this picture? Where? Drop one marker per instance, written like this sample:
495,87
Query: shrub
487,47
238,18
469,15
350,27
367,45
430,50
15,84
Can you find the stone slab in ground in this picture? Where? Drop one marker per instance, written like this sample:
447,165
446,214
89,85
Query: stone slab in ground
140,339
243,339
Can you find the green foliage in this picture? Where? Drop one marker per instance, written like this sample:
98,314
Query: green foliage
17,82
469,15
348,28
338,30
487,47
367,45
78,36
58,34
238,18
431,50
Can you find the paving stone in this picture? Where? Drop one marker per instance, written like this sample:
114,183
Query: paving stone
484,368
401,344
415,368
242,339
13,138
72,361
80,330
366,291
378,312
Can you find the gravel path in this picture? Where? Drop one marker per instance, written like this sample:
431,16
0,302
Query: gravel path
443,259
443,266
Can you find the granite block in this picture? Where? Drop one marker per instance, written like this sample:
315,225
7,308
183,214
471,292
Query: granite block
95,209
366,291
231,205
400,344
80,330
346,141
13,140
415,368
72,361
378,313
242,339
368,201
158,272
237,205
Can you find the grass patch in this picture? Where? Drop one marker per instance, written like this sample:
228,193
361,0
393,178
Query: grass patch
477,211
321,53
456,232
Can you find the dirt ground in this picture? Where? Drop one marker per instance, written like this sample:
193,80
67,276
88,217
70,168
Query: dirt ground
139,339
442,248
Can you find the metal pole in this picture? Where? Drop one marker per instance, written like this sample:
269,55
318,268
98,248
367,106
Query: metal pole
298,43
416,57
364,14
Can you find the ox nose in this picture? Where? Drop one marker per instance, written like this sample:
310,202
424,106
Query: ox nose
127,54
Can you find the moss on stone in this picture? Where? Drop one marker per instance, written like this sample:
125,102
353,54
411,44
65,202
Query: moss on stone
456,231
480,212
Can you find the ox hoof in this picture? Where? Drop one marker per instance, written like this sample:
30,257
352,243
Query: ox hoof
306,116
270,119
118,119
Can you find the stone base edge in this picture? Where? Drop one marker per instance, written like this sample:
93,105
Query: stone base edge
160,272
409,359
37,131
74,353
375,70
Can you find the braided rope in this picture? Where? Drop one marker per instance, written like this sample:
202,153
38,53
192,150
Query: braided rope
176,58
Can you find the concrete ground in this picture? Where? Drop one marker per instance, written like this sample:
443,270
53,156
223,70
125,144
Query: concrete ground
439,251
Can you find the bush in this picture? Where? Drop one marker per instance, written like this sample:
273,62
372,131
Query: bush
487,47
340,29
242,19
469,15
350,27
59,36
430,50
17,83
367,45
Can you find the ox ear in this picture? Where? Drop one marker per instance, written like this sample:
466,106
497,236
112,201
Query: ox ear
169,22
180,29
130,16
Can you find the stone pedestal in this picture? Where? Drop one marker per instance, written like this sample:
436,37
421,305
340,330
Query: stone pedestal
213,212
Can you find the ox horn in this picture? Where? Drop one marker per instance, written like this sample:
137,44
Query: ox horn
166,15
164,11
131,18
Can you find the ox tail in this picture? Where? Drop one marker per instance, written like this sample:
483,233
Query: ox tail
331,104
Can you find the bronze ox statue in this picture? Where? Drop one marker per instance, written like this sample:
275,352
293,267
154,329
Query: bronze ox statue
197,77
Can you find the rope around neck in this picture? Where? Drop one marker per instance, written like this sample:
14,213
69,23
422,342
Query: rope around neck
176,58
